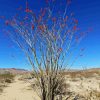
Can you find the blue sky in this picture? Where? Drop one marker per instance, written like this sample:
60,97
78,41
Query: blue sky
86,11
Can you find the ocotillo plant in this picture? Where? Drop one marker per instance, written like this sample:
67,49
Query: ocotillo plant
46,38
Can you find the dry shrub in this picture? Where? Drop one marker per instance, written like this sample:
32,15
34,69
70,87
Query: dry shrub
93,95
6,77
8,80
85,73
74,80
1,90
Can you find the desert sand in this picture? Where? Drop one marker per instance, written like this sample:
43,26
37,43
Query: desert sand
18,90
84,85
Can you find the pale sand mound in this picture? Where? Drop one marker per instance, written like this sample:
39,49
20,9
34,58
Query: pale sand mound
18,90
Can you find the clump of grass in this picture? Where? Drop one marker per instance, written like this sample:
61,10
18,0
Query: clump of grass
6,76
8,80
1,90
94,95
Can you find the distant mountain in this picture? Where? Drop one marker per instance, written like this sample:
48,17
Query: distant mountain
23,71
13,71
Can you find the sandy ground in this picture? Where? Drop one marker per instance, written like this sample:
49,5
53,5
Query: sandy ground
18,90
84,86
21,90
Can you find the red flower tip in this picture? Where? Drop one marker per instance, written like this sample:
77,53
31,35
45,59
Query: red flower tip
66,17
7,22
28,10
47,1
54,19
74,28
21,23
76,21
60,49
41,28
68,2
40,18
32,27
43,12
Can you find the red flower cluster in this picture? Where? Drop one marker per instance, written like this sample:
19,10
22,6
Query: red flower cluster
66,18
21,23
43,11
54,19
40,27
60,49
32,27
46,1
28,10
40,18
74,28
7,22
68,2
76,21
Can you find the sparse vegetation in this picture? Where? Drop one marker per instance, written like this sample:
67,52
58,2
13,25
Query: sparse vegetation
6,76
4,79
8,80
84,73
1,90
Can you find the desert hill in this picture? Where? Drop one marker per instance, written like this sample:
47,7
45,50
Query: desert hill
13,71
